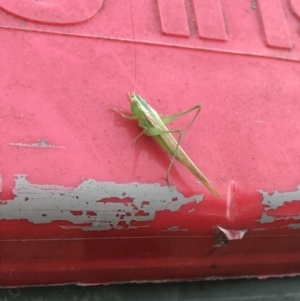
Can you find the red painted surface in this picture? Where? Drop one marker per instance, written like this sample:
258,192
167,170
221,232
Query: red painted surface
61,72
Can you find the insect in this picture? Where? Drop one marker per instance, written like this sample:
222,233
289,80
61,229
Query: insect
154,125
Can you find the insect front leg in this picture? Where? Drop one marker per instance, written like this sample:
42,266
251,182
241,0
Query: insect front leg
129,117
137,137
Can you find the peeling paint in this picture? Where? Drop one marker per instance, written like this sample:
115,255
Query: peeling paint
294,226
273,201
265,219
89,204
277,199
43,143
233,234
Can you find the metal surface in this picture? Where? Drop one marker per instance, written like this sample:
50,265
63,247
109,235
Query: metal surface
79,204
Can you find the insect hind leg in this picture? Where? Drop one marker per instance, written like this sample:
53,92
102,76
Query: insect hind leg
167,175
182,135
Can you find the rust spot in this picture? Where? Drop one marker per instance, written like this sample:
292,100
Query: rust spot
26,199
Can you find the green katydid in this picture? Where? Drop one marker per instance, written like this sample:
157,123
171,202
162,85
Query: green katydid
154,125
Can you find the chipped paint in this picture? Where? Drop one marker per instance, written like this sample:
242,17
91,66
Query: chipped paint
93,205
221,240
233,234
273,201
277,199
1,183
294,226
43,143
265,219
224,236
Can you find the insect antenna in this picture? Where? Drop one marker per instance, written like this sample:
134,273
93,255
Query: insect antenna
134,46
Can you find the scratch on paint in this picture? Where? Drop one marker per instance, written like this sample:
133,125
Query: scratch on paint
273,201
43,143
93,205
176,228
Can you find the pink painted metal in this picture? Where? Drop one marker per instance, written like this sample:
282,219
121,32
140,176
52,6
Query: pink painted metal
80,204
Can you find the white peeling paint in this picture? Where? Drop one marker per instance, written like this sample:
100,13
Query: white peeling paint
265,219
276,199
43,143
92,205
233,234
294,226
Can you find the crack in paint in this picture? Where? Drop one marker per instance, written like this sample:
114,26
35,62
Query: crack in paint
83,204
276,199
43,143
